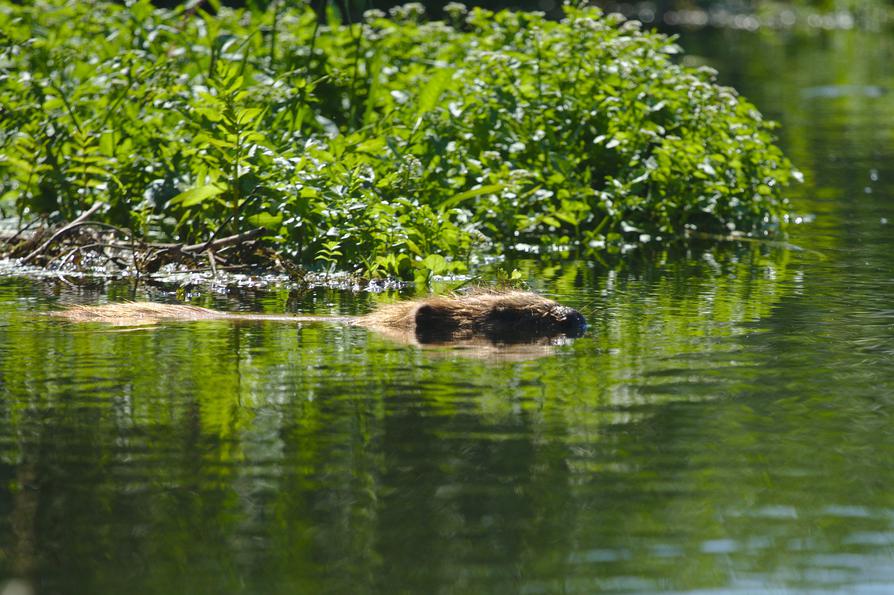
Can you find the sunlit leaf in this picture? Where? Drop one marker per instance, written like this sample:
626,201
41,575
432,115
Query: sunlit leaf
431,93
268,220
458,198
195,196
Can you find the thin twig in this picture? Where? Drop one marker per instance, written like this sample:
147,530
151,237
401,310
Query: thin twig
62,278
78,221
125,232
211,262
115,259
16,235
64,257
227,241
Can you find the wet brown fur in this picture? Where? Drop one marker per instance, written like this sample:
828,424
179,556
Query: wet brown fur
500,316
511,316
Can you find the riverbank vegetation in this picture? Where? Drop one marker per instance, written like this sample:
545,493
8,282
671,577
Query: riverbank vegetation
398,146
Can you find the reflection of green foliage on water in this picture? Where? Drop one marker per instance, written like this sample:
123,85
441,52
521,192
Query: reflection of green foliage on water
836,102
803,16
301,458
346,454
375,146
662,306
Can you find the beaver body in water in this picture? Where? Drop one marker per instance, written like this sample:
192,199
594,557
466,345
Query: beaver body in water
498,317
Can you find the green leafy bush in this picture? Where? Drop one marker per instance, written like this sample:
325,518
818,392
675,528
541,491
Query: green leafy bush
375,146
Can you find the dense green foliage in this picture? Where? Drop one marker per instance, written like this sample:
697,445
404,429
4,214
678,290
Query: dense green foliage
392,146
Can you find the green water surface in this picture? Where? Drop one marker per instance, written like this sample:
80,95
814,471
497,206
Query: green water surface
725,425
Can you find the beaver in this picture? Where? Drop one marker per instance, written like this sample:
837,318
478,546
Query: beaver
496,316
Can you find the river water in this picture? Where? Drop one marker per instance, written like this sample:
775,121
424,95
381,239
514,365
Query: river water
725,425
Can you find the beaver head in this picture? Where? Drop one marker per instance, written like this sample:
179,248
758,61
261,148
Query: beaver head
500,317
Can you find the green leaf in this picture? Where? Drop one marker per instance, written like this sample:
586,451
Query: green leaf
92,169
435,263
194,196
458,198
271,222
372,146
20,164
431,93
247,115
413,247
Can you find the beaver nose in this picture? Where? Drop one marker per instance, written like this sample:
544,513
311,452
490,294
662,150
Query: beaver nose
574,323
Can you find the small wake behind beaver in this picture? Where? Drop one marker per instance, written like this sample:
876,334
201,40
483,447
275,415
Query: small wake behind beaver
513,317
